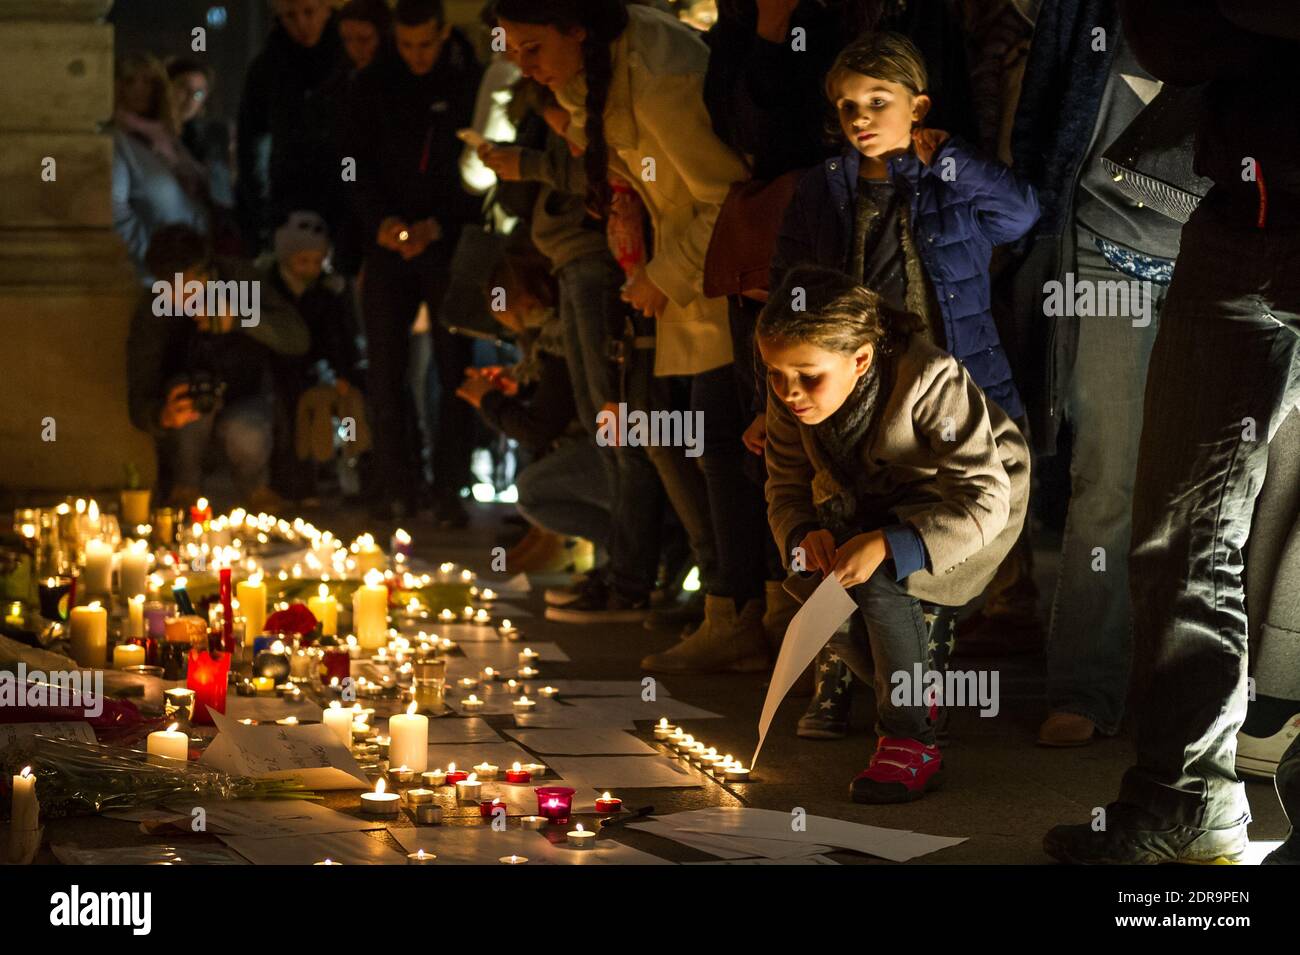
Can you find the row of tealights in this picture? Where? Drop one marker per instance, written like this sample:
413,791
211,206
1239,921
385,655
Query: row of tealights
707,758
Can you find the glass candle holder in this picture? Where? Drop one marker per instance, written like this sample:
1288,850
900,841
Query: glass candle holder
429,685
55,597
207,676
178,704
555,803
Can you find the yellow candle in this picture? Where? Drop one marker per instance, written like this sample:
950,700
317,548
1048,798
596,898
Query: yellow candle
326,610
135,616
127,655
89,636
251,594
370,612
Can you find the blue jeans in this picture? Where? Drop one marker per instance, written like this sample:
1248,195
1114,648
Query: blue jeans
564,492
240,432
1090,635
1223,374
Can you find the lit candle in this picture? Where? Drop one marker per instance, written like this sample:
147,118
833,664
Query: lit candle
737,773
581,838
608,804
25,824
488,674
325,608
517,774
133,567
488,809
135,617
528,673
379,802
549,692
340,721
167,744
481,617
486,770
401,544
127,655
536,770
434,777
251,594
528,656
420,857
369,557
89,636
469,789
98,575
508,631
419,797
455,775
524,705
472,704
263,685
370,611
409,739
532,822
400,775
513,860
663,729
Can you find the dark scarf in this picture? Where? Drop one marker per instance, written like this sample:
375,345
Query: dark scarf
840,439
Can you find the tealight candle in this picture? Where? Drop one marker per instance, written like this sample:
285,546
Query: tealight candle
487,809
434,777
127,655
360,730
486,770
445,615
536,770
517,774
737,773
467,683
455,775
581,838
528,673
513,860
287,721
532,822
419,797
663,730
340,721
471,704
607,804
481,618
263,685
420,857
509,631
528,656
488,674
549,692
167,744
428,814
469,789
379,802
409,744
400,775
524,704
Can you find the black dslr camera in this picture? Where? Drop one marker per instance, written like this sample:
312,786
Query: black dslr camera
205,390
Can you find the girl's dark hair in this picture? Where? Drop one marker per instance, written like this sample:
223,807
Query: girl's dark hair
603,21
414,13
374,12
828,309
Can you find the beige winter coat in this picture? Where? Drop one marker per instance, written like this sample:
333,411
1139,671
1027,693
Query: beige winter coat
662,142
955,465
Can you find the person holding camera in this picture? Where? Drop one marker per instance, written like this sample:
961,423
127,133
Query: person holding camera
199,358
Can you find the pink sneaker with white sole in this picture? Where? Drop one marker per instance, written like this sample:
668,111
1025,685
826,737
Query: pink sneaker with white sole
900,770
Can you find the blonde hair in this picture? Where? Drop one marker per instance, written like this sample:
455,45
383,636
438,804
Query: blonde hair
135,64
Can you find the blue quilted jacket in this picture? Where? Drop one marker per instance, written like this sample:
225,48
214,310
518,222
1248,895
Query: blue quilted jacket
956,222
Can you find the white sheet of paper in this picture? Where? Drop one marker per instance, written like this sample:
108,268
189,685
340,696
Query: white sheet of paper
311,754
11,733
271,818
451,729
349,848
468,755
896,845
268,709
590,741
483,845
814,624
623,772
728,846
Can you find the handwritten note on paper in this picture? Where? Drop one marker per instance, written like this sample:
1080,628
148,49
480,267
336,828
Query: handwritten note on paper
11,733
312,754
814,625
271,818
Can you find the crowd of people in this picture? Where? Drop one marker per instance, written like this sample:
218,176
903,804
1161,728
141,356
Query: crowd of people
827,230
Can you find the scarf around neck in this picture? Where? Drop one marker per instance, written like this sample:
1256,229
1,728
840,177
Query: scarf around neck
840,439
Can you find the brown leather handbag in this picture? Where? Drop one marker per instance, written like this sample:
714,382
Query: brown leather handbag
744,236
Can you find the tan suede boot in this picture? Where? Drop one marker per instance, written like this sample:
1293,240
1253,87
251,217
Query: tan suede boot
725,642
779,610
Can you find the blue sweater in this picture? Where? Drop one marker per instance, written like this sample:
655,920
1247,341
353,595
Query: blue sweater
956,222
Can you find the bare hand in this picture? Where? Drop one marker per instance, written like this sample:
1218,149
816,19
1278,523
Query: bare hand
755,436
927,141
643,295
505,161
178,410
859,557
819,551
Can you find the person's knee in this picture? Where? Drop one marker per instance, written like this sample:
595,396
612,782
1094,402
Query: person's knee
248,436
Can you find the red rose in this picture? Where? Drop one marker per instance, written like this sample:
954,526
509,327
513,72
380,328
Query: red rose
295,618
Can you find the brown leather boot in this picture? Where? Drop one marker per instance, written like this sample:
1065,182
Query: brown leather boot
727,642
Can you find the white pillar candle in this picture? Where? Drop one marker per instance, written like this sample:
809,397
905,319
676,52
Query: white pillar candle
168,744
98,576
370,612
251,594
325,608
133,568
25,824
340,721
127,655
409,740
89,635
135,617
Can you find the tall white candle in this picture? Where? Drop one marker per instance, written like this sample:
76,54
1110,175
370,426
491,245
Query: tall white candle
370,612
325,608
251,594
409,740
135,617
89,635
133,568
127,655
25,819
167,744
340,721
98,576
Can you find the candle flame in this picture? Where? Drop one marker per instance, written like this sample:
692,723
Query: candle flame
277,646
94,605
473,778
201,504
451,767
173,727
374,578
516,767
663,721
334,704
255,578
401,535
92,510
605,795
180,583
410,710
323,591
580,829
379,786
26,773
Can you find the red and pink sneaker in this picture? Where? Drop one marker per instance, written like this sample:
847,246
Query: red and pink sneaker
900,770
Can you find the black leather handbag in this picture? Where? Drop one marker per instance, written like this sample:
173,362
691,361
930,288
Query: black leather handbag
1152,159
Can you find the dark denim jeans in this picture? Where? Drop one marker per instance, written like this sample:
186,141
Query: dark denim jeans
1090,635
1223,373
565,491
240,433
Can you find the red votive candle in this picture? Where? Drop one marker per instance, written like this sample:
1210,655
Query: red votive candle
206,675
455,776
518,776
486,808
555,803
608,804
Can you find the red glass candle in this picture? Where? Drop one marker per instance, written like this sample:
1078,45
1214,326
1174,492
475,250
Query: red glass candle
487,807
206,676
608,804
227,612
455,776
336,663
518,776
555,803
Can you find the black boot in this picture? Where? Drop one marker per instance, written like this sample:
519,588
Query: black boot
827,716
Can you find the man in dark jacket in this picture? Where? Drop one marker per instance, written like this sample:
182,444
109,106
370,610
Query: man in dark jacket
1224,371
288,156
199,364
402,124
